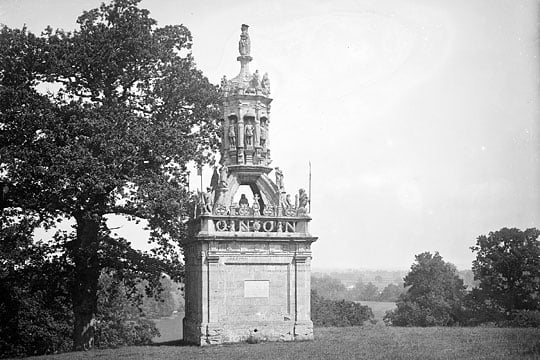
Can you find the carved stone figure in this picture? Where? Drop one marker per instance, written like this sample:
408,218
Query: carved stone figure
302,202
243,200
256,206
232,136
223,177
207,200
248,134
279,178
263,136
214,182
287,203
302,198
266,84
244,46
243,203
255,82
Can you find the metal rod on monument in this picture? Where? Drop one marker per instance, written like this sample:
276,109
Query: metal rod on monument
309,197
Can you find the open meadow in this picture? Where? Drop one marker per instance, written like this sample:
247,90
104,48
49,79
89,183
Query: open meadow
366,342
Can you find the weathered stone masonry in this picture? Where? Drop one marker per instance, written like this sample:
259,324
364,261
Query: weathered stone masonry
248,266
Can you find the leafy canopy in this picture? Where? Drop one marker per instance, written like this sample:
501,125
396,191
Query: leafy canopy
434,295
130,111
103,120
507,266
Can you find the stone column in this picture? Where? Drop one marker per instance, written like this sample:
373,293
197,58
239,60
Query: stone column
240,136
257,136
214,330
303,326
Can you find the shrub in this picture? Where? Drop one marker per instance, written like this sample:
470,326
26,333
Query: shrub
523,318
325,312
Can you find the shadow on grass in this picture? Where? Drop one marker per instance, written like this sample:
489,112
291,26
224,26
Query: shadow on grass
172,343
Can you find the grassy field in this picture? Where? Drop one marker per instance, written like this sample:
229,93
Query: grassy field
368,342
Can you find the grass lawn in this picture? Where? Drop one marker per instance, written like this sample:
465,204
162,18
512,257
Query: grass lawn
367,342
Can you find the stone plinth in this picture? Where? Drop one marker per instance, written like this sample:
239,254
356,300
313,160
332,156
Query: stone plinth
248,284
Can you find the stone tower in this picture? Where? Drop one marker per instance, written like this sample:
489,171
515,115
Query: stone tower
248,263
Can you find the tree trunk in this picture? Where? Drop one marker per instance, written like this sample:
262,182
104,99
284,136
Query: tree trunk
85,282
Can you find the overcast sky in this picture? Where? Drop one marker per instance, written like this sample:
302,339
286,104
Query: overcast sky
420,117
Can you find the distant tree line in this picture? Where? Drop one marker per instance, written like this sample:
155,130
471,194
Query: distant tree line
331,288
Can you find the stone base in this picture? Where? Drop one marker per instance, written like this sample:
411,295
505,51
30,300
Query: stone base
213,333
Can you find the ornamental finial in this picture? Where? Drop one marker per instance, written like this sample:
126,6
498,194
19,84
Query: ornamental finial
244,45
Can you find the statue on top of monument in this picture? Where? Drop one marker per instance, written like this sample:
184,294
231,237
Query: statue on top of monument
255,82
244,46
279,178
248,131
302,201
207,201
243,200
287,203
232,136
223,177
265,84
214,181
256,206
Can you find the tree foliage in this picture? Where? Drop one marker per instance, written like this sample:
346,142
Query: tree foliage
131,110
363,292
434,295
391,293
35,312
119,320
507,269
507,266
326,312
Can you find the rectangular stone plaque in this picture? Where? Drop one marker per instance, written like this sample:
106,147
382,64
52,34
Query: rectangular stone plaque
256,288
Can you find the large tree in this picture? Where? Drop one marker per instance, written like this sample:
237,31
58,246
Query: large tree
507,266
434,294
125,112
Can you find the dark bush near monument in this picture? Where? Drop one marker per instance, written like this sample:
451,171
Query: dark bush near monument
326,312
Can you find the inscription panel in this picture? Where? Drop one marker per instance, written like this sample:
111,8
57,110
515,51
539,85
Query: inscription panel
256,288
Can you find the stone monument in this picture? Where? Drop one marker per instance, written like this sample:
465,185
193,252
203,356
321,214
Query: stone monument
248,262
